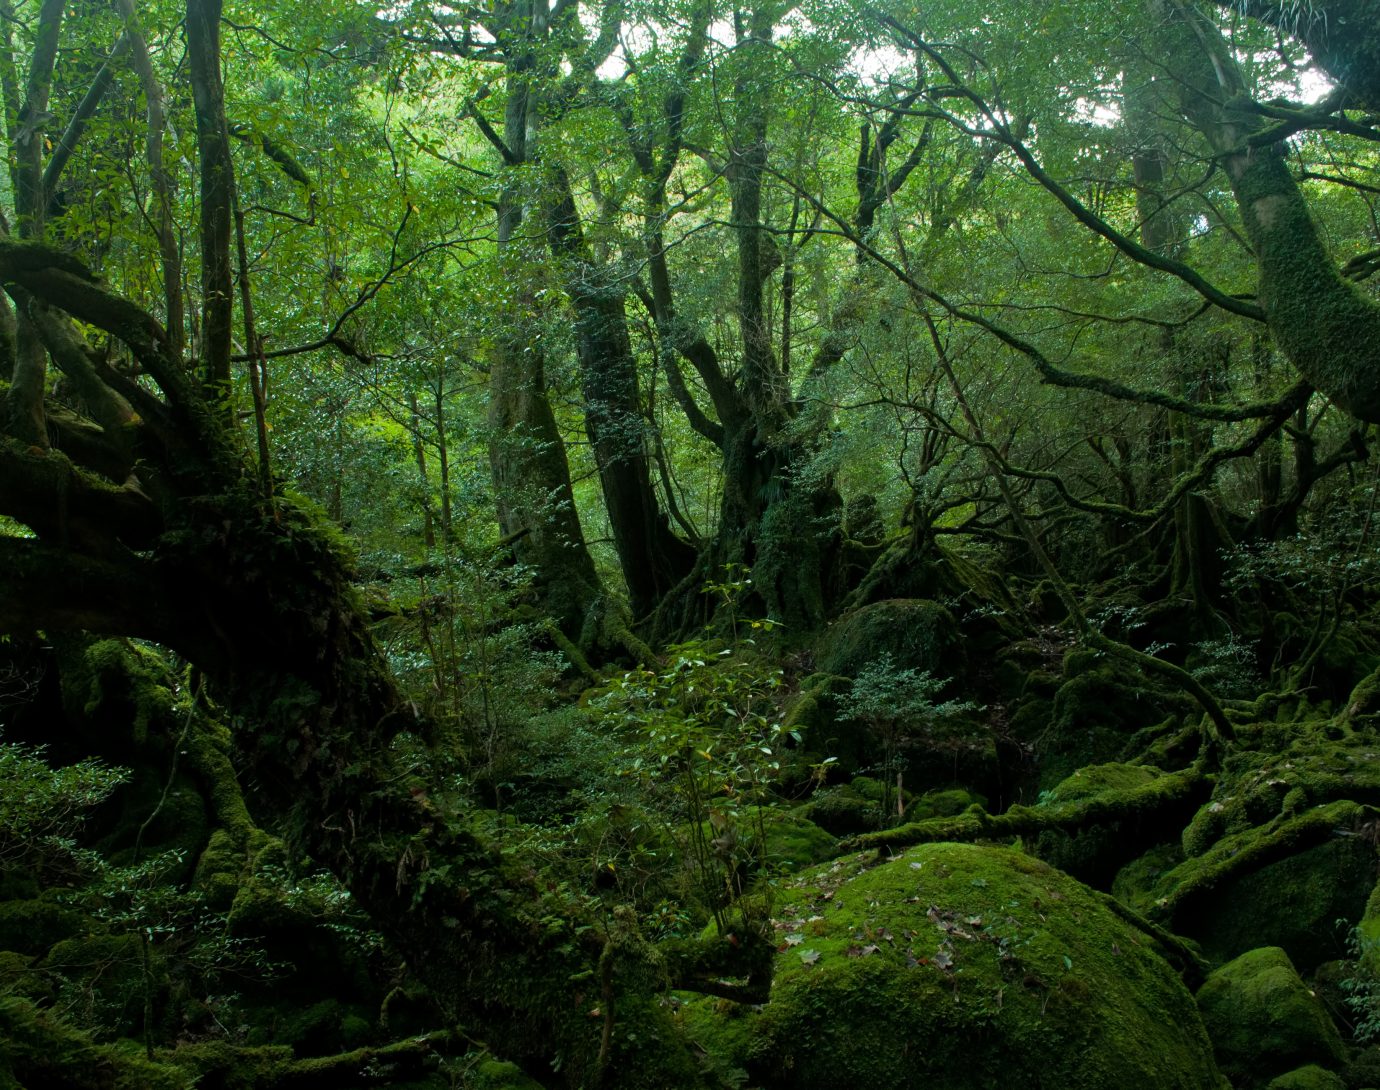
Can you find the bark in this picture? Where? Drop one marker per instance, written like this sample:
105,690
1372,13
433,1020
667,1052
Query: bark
217,196
532,488
1322,323
652,558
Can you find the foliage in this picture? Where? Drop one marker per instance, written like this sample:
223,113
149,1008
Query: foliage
706,734
42,809
902,711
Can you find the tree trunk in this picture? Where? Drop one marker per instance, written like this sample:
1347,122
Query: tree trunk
652,558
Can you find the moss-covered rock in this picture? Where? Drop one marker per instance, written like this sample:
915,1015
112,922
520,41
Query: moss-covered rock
1311,1077
1097,853
110,980
959,967
31,927
1095,716
1264,1021
793,841
842,811
915,633
492,1074
813,715
1133,884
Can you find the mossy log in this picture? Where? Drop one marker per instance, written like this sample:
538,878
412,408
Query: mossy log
1140,802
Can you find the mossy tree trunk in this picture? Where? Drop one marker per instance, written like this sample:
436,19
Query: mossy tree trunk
1323,324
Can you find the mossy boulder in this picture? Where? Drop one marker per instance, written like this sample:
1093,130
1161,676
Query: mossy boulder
1264,1021
31,927
814,716
1094,716
916,633
959,966
492,1074
1273,858
1311,1077
843,811
109,979
793,841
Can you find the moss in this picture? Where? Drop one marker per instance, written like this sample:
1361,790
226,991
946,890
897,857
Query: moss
814,715
948,803
1264,1021
793,842
1134,883
31,927
1095,716
491,1074
842,811
1096,853
1311,1077
104,977
957,966
220,870
916,633
43,1051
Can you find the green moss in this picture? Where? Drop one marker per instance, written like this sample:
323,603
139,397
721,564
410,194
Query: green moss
793,842
104,978
1263,1020
43,1051
1311,1077
842,811
31,927
1094,718
491,1074
1134,883
956,966
916,633
814,715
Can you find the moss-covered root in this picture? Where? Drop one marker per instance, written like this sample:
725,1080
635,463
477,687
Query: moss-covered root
1243,853
273,1067
1138,802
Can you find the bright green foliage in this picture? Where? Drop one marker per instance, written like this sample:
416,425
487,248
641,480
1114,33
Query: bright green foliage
902,710
705,729
1311,1077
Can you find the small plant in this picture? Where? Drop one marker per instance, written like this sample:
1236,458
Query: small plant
706,730
1362,990
900,708
42,808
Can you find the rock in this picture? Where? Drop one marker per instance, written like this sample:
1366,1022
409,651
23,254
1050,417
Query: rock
964,967
1263,1020
916,633
1311,1077
31,927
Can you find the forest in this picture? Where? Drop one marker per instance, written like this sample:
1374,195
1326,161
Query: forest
665,543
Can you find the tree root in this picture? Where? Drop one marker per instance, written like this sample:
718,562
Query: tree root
977,824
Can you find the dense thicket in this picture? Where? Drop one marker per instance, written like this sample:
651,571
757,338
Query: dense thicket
485,492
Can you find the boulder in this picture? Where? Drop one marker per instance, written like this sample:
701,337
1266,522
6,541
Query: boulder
1264,1021
960,966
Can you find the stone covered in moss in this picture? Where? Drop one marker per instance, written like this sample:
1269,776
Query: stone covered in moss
1097,853
31,927
1272,859
793,842
1263,1019
916,634
959,967
1311,1077
492,1074
1094,717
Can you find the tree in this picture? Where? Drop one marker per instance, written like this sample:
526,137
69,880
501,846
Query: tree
158,526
